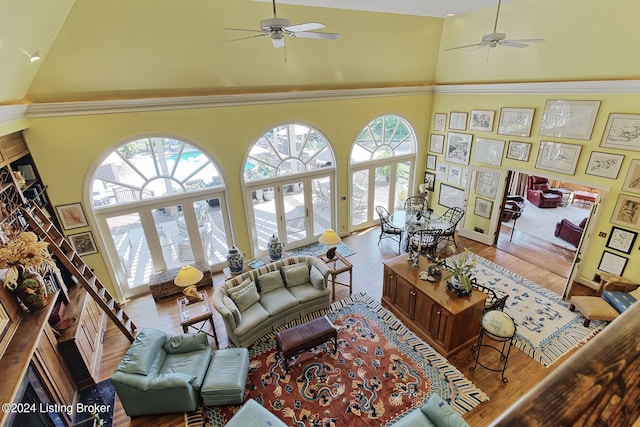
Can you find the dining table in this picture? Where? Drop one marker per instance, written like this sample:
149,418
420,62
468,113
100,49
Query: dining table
410,222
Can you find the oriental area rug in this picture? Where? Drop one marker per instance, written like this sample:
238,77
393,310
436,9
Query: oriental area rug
546,329
380,372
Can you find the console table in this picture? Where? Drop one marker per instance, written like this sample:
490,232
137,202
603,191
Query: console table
444,320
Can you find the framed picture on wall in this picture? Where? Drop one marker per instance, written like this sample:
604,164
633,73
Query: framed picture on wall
612,263
455,174
518,151
558,157
439,122
632,181
83,243
569,118
431,162
622,131
621,240
488,151
442,171
516,121
72,216
483,207
436,143
450,197
606,165
458,148
430,181
487,184
627,212
481,120
458,120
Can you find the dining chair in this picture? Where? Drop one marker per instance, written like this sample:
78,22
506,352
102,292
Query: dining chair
416,204
387,229
425,241
449,219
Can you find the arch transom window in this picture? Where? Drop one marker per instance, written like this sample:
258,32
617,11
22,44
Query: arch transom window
385,136
287,150
152,167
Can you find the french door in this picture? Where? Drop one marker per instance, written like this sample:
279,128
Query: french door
297,210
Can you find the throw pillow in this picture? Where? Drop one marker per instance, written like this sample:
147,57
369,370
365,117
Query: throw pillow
246,297
185,343
317,279
296,274
230,305
441,414
270,281
143,351
239,288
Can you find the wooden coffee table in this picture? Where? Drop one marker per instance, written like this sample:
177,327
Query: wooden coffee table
301,338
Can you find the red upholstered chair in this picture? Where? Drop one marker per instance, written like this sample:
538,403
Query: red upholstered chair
540,193
569,231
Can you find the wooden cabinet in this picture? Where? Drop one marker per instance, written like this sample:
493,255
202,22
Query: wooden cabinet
441,318
81,344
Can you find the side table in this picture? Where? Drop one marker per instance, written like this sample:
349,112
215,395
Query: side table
337,265
196,315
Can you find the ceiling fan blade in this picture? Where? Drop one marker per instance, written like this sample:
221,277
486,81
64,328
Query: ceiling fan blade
245,29
243,38
309,26
527,40
512,43
311,35
277,42
467,45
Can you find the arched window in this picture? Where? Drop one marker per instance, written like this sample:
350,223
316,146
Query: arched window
288,177
159,203
382,163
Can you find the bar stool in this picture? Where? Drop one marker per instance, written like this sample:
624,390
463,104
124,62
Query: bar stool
499,327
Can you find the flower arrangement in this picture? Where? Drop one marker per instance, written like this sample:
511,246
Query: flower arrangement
460,269
23,251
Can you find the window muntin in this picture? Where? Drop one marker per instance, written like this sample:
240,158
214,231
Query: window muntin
385,136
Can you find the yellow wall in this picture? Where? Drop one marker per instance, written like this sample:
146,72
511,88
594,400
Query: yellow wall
226,133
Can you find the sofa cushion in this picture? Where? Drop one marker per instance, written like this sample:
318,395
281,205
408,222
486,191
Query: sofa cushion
172,380
441,414
296,274
270,281
252,318
188,363
277,301
233,308
415,418
244,295
308,293
620,301
185,343
143,351
316,278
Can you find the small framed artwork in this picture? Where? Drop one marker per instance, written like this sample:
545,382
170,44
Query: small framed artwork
569,119
622,131
83,243
465,177
488,151
436,143
430,181
516,121
458,120
627,212
632,181
487,184
442,171
431,162
612,263
517,150
481,120
483,207
606,165
439,122
455,173
458,148
72,216
450,197
558,157
621,240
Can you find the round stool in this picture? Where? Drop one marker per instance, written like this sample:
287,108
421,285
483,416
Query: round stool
499,327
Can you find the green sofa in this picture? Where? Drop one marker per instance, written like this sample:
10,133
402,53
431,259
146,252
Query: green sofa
162,373
256,302
435,413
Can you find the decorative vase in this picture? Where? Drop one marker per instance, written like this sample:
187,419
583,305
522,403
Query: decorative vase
456,286
31,290
275,248
235,260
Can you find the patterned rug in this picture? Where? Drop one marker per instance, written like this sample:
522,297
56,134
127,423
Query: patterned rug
380,372
316,249
546,329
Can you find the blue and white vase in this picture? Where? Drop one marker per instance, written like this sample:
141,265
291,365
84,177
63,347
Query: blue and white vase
275,248
235,260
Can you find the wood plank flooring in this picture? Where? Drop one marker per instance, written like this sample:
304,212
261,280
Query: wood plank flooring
523,372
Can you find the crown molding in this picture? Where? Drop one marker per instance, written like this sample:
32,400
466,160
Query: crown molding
11,113
553,88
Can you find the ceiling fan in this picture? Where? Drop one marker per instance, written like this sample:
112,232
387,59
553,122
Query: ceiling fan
277,28
498,39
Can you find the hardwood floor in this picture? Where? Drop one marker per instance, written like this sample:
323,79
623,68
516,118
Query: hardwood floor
523,372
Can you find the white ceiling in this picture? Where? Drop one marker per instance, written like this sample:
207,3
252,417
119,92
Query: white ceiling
436,8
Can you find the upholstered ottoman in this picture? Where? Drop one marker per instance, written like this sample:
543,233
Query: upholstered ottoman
226,377
593,308
252,414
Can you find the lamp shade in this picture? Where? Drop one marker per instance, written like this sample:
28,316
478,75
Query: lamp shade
329,237
187,276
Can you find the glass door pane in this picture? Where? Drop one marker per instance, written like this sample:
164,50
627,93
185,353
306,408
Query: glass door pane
322,203
134,258
295,212
382,186
264,215
214,243
359,196
402,184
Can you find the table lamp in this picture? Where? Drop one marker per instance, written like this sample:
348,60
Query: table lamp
330,237
187,278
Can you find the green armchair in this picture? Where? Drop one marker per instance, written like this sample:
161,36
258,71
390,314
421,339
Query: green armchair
162,373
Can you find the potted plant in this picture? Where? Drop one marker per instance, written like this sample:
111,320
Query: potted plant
24,258
460,278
